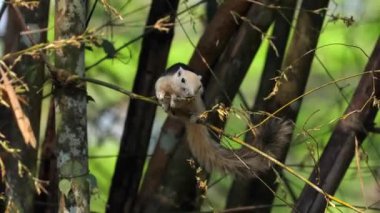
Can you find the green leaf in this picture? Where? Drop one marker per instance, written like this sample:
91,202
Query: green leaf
93,183
109,48
65,186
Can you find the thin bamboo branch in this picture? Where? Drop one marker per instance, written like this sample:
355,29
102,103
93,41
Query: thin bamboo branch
283,166
158,186
340,149
138,125
241,192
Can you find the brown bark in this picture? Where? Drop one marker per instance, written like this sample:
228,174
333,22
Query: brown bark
297,65
176,191
211,8
11,35
138,125
240,49
340,149
274,58
236,59
216,36
149,196
305,39
220,29
241,193
48,166
172,132
31,70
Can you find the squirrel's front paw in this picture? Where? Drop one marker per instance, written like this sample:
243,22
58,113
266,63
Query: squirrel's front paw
173,101
163,101
160,95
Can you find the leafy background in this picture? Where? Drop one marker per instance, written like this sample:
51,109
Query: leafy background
320,109
318,114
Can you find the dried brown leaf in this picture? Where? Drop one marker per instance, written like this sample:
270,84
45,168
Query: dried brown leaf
2,169
163,24
111,9
22,120
39,186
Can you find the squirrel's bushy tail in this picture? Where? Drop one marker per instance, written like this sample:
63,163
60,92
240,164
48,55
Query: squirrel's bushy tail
270,137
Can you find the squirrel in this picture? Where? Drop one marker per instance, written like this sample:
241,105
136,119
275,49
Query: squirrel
179,92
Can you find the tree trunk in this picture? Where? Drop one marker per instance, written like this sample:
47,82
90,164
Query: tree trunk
297,68
48,166
211,8
216,37
276,52
138,125
150,193
340,149
240,51
72,159
169,160
240,193
297,63
20,189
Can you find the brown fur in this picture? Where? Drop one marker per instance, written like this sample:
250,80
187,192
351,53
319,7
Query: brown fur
270,137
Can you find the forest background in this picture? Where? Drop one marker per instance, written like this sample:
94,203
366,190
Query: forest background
128,44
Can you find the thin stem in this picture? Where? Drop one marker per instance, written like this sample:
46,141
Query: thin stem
119,89
290,170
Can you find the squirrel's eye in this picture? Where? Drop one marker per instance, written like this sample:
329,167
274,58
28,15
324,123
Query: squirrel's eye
183,80
179,74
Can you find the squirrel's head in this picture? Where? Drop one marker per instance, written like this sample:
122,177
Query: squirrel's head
189,82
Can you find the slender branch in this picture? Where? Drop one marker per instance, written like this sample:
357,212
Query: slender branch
237,140
91,13
154,101
147,32
348,134
119,89
30,38
308,93
278,163
119,49
256,207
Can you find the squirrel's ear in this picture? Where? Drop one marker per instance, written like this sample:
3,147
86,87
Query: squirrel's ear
180,69
200,77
